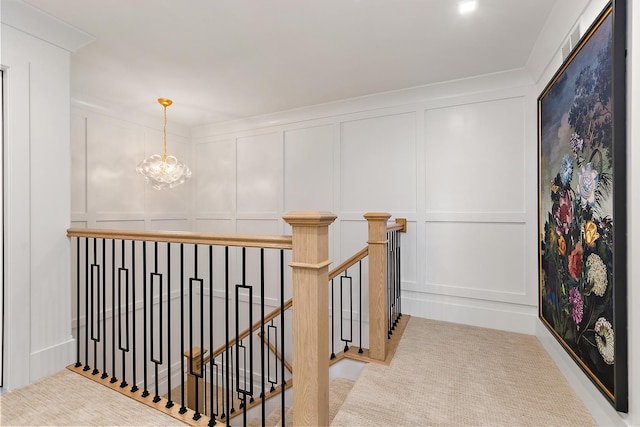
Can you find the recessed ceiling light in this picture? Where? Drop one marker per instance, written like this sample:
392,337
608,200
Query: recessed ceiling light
467,6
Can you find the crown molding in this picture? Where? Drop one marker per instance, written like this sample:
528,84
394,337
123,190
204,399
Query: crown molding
33,21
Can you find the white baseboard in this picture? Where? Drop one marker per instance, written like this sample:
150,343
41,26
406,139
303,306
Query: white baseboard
487,314
48,361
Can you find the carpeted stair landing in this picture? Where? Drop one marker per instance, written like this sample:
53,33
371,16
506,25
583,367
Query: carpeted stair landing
445,374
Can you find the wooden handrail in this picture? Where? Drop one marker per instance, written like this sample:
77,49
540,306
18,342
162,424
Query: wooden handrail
272,315
400,225
275,351
361,254
242,240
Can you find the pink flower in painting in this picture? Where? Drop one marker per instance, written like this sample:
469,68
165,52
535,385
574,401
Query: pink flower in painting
564,215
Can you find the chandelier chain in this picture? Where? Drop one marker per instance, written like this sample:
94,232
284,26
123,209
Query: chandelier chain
164,134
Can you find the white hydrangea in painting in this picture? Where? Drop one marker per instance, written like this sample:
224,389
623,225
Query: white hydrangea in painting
604,340
597,274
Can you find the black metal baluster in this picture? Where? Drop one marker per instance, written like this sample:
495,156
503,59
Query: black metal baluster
145,391
204,389
113,311
215,387
134,387
241,386
157,356
333,324
227,333
262,384
197,373
169,401
95,294
360,309
104,309
390,277
212,413
183,408
225,385
273,379
202,368
389,295
78,364
239,345
124,349
232,377
250,343
86,307
344,339
399,277
245,391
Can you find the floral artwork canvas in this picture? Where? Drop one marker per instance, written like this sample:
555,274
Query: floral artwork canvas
579,233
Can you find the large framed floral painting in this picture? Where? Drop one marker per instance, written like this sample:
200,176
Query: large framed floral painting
582,205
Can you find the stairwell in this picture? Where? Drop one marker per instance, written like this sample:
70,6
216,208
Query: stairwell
160,310
339,389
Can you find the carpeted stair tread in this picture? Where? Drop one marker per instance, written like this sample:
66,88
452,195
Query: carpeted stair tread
272,419
339,389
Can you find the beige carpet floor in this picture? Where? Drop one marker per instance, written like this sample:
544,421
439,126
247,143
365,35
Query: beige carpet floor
445,374
69,399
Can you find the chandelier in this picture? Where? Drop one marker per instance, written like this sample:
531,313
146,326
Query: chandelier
162,171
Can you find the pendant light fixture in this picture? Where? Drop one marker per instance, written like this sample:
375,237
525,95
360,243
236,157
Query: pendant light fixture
162,171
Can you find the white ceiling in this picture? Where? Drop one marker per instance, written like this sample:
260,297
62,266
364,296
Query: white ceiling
226,59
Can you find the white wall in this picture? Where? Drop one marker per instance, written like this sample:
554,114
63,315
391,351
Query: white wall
412,153
37,197
543,63
450,158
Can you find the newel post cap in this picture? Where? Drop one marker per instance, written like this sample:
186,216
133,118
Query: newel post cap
309,218
377,216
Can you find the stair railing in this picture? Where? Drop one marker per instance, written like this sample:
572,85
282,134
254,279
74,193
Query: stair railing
381,259
143,299
116,268
339,301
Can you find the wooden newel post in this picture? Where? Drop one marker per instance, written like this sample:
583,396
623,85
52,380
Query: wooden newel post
378,316
310,265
